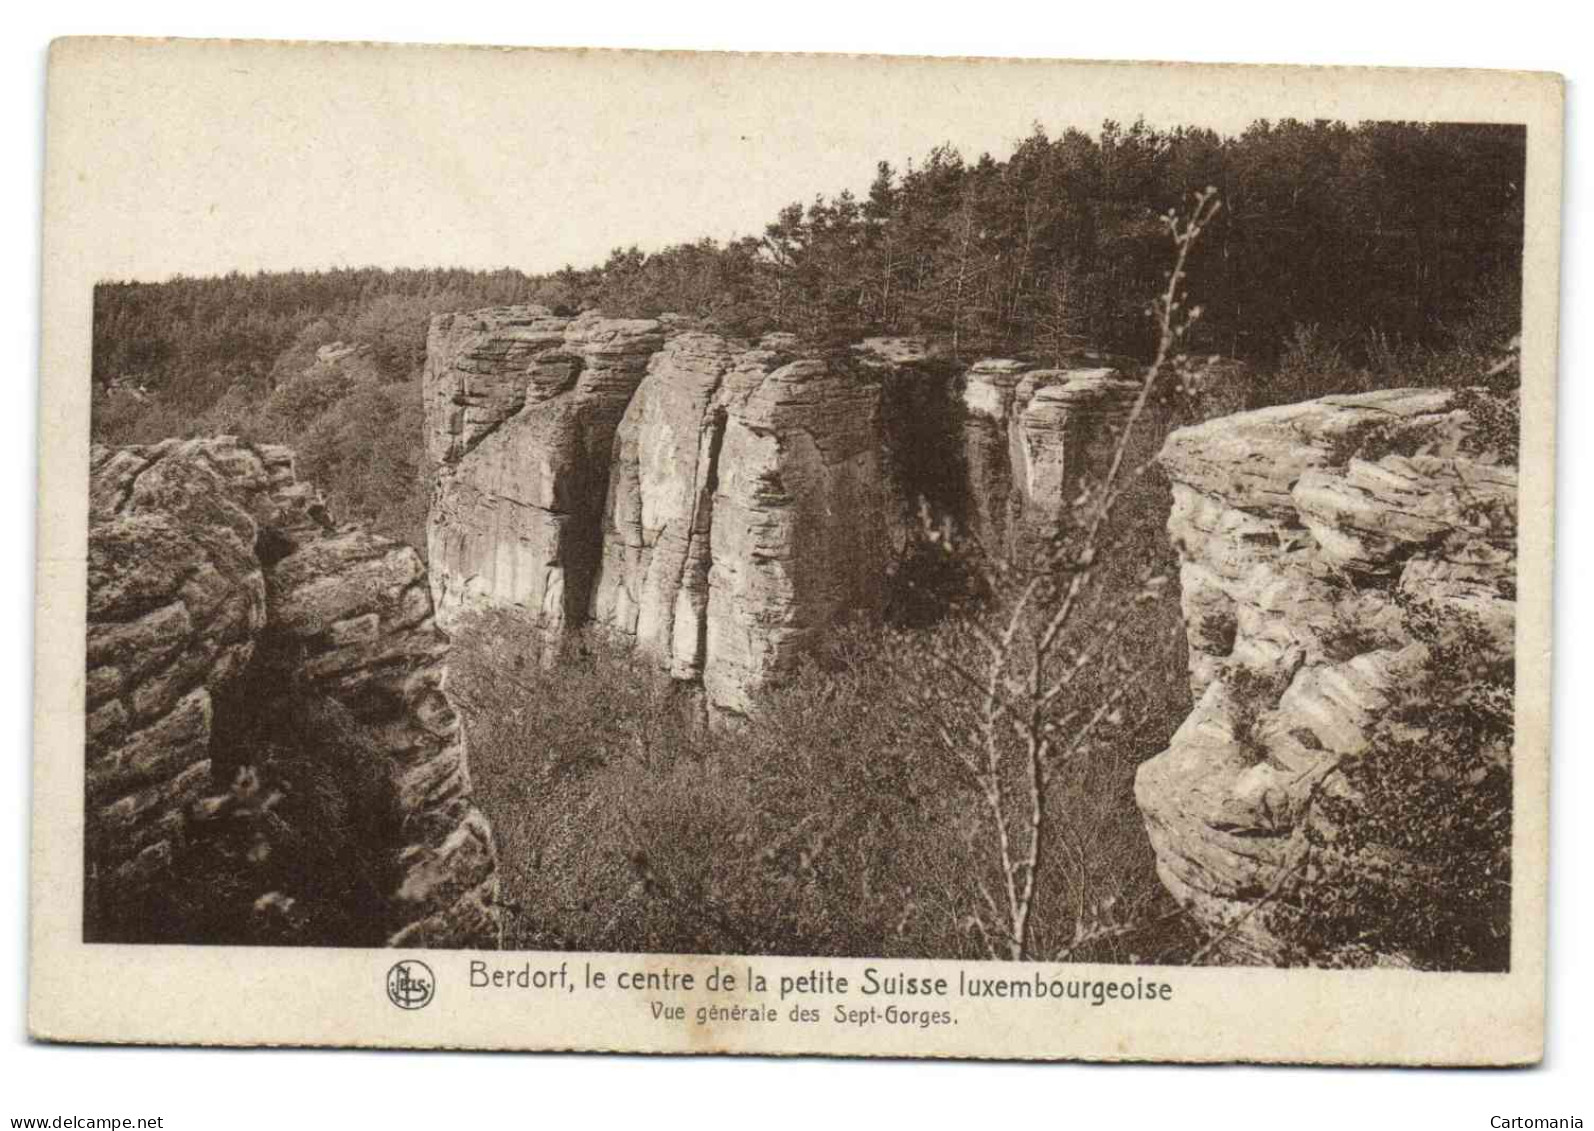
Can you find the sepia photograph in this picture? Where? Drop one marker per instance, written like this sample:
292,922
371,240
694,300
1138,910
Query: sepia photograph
1047,546
1099,550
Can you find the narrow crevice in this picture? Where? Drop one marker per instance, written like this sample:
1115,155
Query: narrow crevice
271,546
923,428
698,561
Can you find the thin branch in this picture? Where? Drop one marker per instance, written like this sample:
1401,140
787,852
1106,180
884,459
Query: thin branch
1267,898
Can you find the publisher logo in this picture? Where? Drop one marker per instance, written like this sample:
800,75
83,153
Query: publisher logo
410,984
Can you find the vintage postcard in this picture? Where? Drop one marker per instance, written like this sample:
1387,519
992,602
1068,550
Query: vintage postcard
866,556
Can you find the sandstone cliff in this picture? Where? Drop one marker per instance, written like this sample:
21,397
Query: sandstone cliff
712,501
800,535
658,519
1030,435
1329,551
521,413
230,622
715,503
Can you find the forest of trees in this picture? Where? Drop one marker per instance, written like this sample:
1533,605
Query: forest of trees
1385,247
238,354
1388,229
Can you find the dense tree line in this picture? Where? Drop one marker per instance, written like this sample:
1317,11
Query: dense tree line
1381,232
1393,229
193,339
1343,256
238,354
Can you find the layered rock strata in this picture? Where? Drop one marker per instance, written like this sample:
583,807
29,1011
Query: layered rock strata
715,502
711,501
214,579
659,526
1307,535
800,534
522,408
1030,436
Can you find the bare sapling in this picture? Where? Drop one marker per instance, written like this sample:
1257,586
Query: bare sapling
1041,669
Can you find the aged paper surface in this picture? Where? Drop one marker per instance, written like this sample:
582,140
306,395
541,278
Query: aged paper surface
203,157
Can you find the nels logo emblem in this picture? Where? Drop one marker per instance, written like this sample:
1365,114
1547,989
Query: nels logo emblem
410,984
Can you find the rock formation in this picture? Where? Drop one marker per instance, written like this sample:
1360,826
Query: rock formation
1030,435
653,585
711,501
222,599
799,536
715,502
1312,537
352,360
521,413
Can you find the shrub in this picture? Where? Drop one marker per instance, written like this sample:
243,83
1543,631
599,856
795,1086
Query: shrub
362,452
302,399
1496,407
395,326
826,825
1481,345
1313,364
1409,853
1252,693
301,355
561,757
625,822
